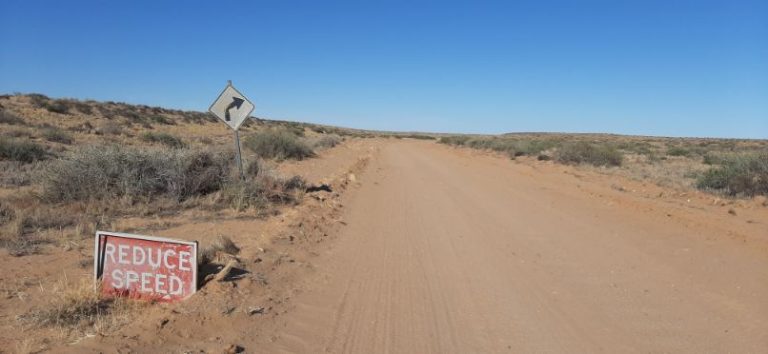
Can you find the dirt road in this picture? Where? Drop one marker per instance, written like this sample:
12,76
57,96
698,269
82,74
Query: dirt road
447,251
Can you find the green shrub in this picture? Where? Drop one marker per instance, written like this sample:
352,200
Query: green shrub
278,144
161,119
102,172
454,140
583,152
21,150
163,138
57,135
678,151
738,175
419,137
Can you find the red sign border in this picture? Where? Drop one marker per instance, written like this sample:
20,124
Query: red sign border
97,254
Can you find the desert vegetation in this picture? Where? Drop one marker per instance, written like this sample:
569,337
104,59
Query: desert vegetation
280,144
70,167
73,170
727,167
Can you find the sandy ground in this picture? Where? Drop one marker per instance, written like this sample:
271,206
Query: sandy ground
448,251
432,249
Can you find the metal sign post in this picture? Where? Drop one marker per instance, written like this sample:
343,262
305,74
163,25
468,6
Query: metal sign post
238,157
233,109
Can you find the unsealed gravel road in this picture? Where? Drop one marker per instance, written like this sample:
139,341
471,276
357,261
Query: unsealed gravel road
447,251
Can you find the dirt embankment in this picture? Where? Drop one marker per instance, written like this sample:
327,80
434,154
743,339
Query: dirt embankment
274,252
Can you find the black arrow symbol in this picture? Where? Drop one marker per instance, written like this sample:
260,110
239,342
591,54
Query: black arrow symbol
236,103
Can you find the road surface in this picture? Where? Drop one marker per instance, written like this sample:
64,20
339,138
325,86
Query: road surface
449,251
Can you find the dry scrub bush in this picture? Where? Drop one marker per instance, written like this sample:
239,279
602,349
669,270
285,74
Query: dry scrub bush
583,152
57,135
222,244
80,307
17,174
512,146
104,172
278,144
164,138
21,150
9,118
738,175
260,191
324,142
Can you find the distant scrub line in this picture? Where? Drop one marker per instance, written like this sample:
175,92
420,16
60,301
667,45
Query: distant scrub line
734,174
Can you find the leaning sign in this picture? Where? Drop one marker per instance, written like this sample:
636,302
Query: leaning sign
145,267
233,109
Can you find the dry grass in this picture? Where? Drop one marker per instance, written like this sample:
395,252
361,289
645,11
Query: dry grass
323,142
110,172
680,163
21,150
278,144
79,308
583,152
220,245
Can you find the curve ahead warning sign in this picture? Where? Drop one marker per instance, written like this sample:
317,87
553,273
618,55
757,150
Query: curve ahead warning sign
145,267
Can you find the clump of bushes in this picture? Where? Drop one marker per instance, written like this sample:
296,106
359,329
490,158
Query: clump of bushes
57,106
100,173
278,144
738,175
454,139
57,135
161,119
419,136
9,118
325,141
514,147
21,150
678,151
583,152
163,138
266,188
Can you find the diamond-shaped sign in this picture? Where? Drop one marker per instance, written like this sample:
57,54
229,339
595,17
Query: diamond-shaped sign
232,107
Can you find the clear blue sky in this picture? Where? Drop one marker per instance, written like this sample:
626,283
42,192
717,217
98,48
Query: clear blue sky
673,68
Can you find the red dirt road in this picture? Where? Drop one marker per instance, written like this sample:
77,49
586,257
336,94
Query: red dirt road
449,251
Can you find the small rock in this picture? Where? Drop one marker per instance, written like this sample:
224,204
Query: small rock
351,177
731,211
234,349
227,310
255,310
163,322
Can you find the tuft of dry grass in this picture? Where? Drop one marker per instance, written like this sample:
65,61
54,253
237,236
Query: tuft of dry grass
323,142
57,135
222,244
80,307
278,144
